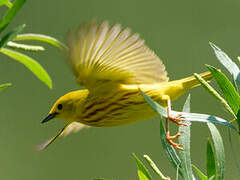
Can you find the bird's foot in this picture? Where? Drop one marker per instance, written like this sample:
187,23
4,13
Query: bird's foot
176,120
171,142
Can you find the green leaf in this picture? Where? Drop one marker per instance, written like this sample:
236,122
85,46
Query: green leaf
235,84
227,62
6,2
199,173
228,90
24,47
143,172
169,150
203,118
187,105
184,139
211,167
31,64
219,151
99,179
41,37
155,106
3,86
7,18
193,117
9,36
233,152
155,168
215,94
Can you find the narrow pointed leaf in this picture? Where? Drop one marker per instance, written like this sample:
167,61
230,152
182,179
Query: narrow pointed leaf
7,18
211,178
214,93
155,106
143,172
227,62
24,47
211,167
234,82
234,152
3,86
187,105
193,117
6,2
184,139
31,64
219,151
169,150
199,173
228,90
40,37
12,34
203,118
155,168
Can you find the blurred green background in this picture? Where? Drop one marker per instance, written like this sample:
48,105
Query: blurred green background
178,31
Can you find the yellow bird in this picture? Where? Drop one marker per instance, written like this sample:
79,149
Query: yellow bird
113,65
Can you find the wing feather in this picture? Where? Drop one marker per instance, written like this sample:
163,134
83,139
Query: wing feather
100,53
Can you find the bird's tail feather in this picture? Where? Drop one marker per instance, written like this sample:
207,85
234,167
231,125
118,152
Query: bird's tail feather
191,81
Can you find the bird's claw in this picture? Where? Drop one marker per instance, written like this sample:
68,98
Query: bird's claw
176,120
171,142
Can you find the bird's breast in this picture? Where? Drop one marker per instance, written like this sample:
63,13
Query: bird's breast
122,106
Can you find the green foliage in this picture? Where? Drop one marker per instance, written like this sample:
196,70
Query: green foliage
12,34
30,63
211,166
200,173
155,168
193,117
215,155
228,90
231,101
226,62
169,150
181,160
7,41
10,14
214,93
40,37
184,139
219,151
6,3
143,172
3,86
24,47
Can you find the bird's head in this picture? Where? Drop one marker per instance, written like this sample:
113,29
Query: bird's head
67,106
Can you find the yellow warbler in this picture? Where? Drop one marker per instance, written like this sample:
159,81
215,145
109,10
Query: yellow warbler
113,65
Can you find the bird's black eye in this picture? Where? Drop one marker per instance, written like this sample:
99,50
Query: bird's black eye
60,106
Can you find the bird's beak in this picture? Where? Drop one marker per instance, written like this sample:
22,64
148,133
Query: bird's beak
49,117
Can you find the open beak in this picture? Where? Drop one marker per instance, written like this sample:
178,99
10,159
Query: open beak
49,117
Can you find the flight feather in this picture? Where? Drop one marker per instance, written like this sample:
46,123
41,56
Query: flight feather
98,53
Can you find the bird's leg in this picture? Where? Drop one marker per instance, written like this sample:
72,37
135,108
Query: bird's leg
176,121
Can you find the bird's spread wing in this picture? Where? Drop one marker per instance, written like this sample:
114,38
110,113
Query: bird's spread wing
100,53
69,128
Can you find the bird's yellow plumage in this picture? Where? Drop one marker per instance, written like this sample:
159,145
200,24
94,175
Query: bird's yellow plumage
113,65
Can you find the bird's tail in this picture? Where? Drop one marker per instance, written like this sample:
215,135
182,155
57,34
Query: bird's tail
191,81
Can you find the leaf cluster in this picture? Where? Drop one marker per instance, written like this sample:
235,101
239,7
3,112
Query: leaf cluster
9,43
215,155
